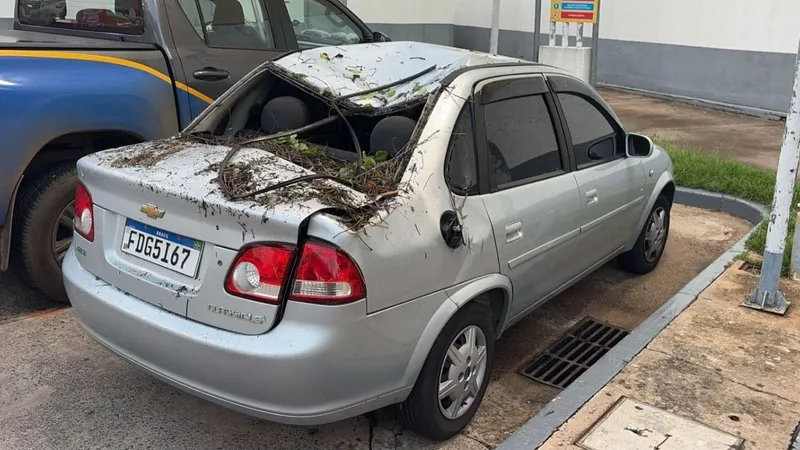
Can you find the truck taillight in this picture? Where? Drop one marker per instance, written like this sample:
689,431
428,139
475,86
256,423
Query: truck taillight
83,222
325,275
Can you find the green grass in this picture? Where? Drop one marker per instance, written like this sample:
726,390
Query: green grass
702,170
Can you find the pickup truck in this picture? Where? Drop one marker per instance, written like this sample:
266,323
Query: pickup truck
79,76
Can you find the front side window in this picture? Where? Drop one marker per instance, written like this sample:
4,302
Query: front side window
113,16
240,24
319,23
521,139
593,137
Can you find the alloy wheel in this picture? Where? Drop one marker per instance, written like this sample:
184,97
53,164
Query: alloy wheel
62,232
462,373
655,234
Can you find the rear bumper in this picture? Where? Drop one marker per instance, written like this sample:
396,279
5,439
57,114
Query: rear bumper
334,364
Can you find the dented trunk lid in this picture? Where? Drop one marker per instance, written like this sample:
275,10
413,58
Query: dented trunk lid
169,189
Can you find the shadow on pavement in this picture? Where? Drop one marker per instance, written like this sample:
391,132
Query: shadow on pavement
17,301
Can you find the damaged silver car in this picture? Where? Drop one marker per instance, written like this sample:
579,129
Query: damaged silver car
354,227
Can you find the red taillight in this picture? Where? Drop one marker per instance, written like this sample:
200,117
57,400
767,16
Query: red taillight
83,223
327,275
258,273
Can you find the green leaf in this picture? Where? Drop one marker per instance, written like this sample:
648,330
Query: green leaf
347,173
381,156
391,93
325,56
368,163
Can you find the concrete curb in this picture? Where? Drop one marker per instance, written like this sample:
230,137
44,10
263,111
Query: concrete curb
540,427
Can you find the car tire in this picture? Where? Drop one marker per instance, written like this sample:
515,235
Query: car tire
652,240
38,209
423,412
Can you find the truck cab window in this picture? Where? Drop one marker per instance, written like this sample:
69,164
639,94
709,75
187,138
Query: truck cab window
318,23
112,16
241,24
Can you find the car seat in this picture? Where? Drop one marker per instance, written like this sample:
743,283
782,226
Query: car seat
391,134
228,26
283,114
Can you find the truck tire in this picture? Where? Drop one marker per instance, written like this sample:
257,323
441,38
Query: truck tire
42,229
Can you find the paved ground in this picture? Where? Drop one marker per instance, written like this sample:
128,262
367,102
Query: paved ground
746,139
61,390
731,368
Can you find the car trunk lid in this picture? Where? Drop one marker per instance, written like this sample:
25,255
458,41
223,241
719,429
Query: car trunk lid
169,189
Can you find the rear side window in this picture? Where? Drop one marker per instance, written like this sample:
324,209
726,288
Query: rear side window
111,16
521,140
461,168
240,24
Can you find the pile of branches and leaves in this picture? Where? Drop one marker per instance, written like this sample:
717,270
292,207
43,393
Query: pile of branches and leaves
375,176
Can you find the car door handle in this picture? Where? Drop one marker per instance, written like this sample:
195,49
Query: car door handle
513,231
591,197
211,74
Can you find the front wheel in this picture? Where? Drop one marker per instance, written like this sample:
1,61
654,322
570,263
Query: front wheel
649,247
42,229
454,377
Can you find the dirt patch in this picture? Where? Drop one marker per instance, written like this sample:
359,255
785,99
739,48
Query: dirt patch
701,224
745,139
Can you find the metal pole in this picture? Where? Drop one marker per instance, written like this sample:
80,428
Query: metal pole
552,34
537,30
767,297
565,34
795,266
579,36
495,36
595,45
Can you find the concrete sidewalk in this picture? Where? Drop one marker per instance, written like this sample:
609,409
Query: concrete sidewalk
747,139
729,374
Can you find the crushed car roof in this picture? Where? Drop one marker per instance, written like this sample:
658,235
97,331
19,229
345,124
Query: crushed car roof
340,71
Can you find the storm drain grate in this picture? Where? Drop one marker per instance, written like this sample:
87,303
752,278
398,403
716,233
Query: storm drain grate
577,350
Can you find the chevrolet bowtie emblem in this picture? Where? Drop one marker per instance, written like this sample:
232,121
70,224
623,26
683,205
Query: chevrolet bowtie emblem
152,211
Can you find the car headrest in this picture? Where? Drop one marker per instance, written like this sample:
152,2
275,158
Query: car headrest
391,134
92,17
284,114
228,12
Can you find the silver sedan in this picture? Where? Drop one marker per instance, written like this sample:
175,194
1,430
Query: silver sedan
354,227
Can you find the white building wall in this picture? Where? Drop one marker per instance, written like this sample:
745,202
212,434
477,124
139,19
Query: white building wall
6,8
753,25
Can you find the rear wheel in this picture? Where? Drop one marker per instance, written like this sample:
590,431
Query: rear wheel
42,229
649,247
453,379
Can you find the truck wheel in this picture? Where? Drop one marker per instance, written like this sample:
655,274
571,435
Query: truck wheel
646,253
453,379
42,229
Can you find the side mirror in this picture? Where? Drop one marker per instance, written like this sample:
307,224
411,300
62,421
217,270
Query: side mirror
377,36
639,145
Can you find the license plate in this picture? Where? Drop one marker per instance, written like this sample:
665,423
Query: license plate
163,248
